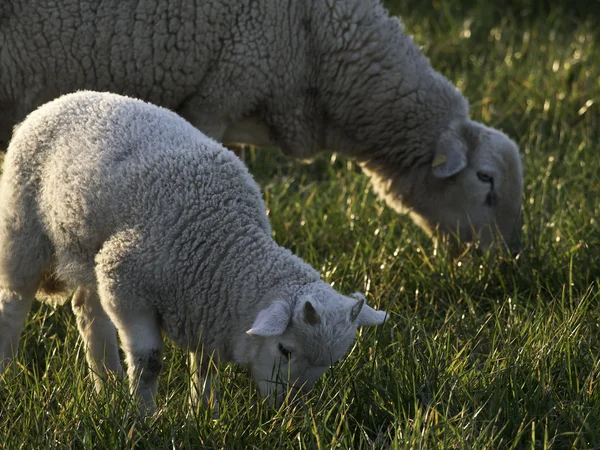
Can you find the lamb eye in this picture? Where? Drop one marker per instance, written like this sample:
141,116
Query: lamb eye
285,352
485,177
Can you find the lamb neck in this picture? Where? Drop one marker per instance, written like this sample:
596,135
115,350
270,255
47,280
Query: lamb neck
246,272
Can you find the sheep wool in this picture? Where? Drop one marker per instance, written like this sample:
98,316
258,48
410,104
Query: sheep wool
159,229
304,75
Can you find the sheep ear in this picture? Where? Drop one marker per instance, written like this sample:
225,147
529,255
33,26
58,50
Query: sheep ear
368,316
271,321
450,156
355,310
310,314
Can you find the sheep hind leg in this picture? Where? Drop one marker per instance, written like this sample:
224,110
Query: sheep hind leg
99,335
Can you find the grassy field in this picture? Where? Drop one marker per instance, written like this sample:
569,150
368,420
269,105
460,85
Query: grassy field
478,354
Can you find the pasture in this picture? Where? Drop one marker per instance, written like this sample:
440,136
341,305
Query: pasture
478,353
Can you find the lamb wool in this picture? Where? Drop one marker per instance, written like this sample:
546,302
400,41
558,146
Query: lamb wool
158,228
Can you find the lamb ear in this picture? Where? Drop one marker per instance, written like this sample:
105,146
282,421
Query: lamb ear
310,314
271,321
450,156
368,317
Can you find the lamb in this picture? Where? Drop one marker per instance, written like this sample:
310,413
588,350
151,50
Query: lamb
159,228
303,75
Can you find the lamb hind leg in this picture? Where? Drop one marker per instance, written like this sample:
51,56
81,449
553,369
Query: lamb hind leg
24,254
14,306
99,335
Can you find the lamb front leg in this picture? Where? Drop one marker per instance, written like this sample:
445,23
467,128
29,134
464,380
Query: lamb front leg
142,343
204,380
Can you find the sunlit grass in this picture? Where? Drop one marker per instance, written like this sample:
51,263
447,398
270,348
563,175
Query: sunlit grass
477,354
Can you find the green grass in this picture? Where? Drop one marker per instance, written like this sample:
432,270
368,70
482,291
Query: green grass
478,354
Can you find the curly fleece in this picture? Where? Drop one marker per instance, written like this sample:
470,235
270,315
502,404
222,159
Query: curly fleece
307,76
160,228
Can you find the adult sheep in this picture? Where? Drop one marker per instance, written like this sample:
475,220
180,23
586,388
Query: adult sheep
159,228
304,75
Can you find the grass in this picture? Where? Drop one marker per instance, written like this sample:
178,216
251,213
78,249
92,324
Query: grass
478,354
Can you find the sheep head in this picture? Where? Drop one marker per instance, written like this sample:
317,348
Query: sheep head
299,340
473,189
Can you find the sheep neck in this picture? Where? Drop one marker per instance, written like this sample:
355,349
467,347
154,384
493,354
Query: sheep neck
385,105
384,102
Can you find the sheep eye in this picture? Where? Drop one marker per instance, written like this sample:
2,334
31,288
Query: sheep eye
485,177
491,199
285,352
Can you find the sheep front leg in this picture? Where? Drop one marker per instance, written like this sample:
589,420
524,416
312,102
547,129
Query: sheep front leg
204,381
99,336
